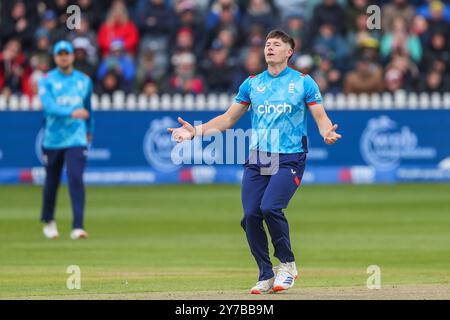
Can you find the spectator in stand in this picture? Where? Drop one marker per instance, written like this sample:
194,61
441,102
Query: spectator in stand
218,69
369,47
333,33
49,23
14,70
258,14
118,25
156,23
297,28
409,71
400,39
222,12
355,9
121,63
186,18
394,9
88,37
420,29
361,34
363,41
253,64
331,13
335,81
150,87
254,42
327,76
60,9
434,81
292,7
437,15
199,6
43,45
148,71
228,37
303,63
92,12
296,25
109,83
436,50
184,40
20,23
331,44
82,62
185,80
366,78
229,19
432,8
393,80
39,65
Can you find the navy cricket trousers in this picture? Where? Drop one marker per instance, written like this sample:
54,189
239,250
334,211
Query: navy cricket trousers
263,199
75,160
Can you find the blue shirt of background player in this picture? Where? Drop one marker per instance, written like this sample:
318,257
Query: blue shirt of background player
60,95
278,106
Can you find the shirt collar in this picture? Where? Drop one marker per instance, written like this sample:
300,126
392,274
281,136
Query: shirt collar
282,73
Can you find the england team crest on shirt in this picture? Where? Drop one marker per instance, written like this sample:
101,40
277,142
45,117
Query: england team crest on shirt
291,87
58,86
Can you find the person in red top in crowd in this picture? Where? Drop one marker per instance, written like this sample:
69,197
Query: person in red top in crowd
118,25
14,70
185,79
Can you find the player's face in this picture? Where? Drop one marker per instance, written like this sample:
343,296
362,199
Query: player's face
276,51
64,59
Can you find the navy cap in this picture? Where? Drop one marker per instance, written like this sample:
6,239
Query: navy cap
49,15
217,45
62,46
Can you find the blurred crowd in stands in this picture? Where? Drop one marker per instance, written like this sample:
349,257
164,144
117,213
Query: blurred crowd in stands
211,46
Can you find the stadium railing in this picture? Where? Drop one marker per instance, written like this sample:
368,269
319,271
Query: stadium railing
178,102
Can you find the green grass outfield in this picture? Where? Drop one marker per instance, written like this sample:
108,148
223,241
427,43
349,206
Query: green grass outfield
188,238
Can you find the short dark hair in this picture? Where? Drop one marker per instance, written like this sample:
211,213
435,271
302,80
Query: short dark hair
280,34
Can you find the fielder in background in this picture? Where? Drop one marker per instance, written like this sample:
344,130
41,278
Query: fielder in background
65,94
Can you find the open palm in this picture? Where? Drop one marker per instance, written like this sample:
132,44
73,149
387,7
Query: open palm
185,132
331,136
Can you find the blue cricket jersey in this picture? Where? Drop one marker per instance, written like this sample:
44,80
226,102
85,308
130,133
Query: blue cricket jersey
60,95
278,106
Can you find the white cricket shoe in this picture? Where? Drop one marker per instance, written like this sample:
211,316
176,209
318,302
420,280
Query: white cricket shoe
264,286
78,234
50,230
285,277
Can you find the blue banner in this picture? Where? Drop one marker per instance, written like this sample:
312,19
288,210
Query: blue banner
135,147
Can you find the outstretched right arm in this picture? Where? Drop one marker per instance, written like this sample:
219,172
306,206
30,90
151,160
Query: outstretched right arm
220,123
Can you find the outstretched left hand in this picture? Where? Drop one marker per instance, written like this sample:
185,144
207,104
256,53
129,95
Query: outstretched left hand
331,136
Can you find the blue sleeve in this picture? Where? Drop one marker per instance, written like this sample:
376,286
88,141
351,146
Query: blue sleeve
128,69
312,92
243,96
102,70
49,105
88,106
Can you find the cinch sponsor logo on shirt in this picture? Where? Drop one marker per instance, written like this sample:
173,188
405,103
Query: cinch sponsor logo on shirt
68,100
274,108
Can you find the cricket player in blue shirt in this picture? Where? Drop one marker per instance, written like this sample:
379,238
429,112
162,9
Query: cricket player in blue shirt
65,94
279,99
